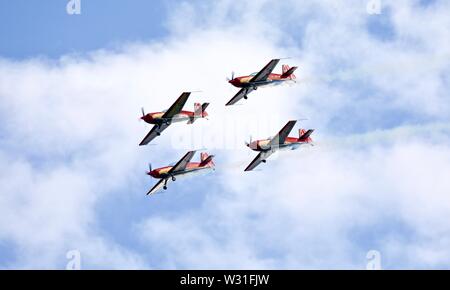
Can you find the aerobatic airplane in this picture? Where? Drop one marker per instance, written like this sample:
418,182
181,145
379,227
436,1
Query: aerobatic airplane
281,141
182,168
163,119
264,77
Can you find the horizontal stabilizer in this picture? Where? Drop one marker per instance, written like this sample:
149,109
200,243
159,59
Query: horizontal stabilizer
206,159
305,136
289,72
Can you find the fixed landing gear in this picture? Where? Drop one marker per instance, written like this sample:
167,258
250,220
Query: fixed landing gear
158,126
245,97
264,161
173,178
165,187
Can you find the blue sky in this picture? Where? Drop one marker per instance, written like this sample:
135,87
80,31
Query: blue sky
373,86
43,28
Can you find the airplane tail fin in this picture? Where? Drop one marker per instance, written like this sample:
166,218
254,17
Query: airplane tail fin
304,136
288,72
206,160
199,112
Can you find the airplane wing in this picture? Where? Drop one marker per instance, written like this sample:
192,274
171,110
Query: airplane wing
266,71
177,106
242,93
153,133
157,186
282,135
181,165
258,159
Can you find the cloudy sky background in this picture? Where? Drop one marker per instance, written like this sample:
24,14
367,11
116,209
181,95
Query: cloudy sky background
374,86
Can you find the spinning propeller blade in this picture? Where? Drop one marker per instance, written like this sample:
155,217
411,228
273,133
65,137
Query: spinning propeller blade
232,76
249,142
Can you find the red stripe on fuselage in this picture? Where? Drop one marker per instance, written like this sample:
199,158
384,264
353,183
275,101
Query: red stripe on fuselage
154,118
260,145
158,172
293,140
244,80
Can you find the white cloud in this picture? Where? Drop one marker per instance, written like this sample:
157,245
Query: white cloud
309,209
72,132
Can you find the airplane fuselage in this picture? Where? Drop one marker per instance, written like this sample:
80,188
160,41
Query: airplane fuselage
290,143
244,81
156,118
191,168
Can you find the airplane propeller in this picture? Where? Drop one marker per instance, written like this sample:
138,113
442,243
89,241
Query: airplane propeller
143,114
232,76
249,142
149,167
